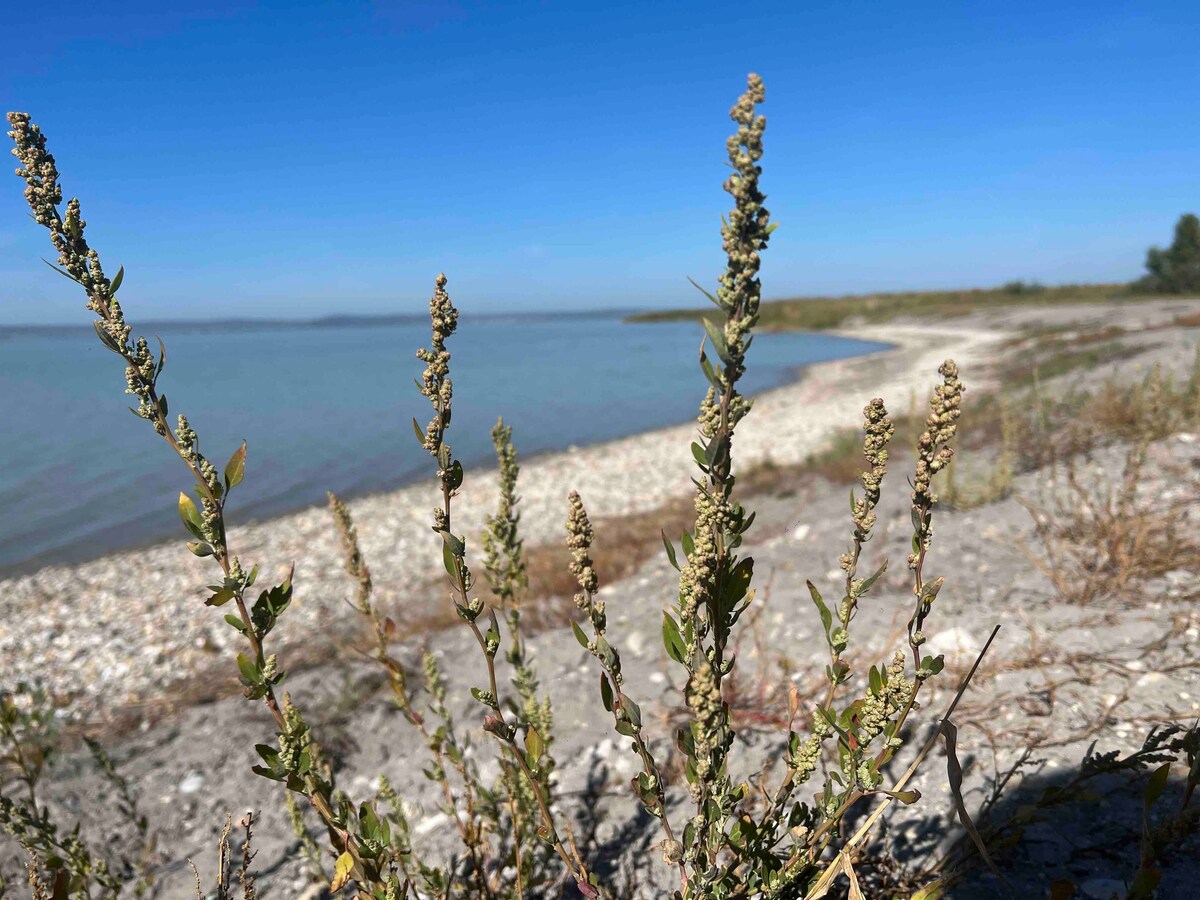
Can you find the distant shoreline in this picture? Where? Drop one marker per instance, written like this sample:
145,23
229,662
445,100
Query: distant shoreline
8,331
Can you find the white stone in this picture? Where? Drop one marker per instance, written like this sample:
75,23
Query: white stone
954,642
191,784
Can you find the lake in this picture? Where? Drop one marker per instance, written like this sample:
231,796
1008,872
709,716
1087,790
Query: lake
323,406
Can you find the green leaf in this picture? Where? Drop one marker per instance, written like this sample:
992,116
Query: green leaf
456,545
62,272
876,681
826,615
418,432
235,469
709,372
236,623
200,548
248,669
107,339
449,561
699,454
931,891
670,550
633,711
672,639
1157,784
718,340
606,694
579,635
738,582
866,585
115,284
491,637
689,547
220,598
713,299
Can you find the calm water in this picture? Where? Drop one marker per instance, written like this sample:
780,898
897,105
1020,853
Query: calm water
323,408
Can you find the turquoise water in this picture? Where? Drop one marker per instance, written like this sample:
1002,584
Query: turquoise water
323,407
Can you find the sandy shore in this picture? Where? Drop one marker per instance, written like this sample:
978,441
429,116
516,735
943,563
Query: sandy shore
124,628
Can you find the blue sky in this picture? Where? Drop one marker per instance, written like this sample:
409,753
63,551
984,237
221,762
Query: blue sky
300,159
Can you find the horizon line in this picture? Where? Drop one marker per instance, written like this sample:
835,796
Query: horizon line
344,320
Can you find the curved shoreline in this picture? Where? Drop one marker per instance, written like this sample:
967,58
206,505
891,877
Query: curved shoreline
124,627
107,510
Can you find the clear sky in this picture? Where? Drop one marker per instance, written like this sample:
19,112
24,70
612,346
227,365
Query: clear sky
299,159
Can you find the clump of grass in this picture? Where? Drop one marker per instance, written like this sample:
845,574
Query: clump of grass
722,836
1099,540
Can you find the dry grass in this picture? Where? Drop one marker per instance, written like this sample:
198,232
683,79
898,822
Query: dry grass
1099,540
1062,358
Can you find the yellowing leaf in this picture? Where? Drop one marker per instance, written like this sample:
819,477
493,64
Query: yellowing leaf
235,469
341,872
534,745
187,509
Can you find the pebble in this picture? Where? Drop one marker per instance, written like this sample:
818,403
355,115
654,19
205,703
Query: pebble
635,643
192,783
954,642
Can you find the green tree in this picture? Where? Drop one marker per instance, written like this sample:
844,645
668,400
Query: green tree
1176,270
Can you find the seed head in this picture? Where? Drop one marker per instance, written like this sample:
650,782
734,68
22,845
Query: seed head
579,542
